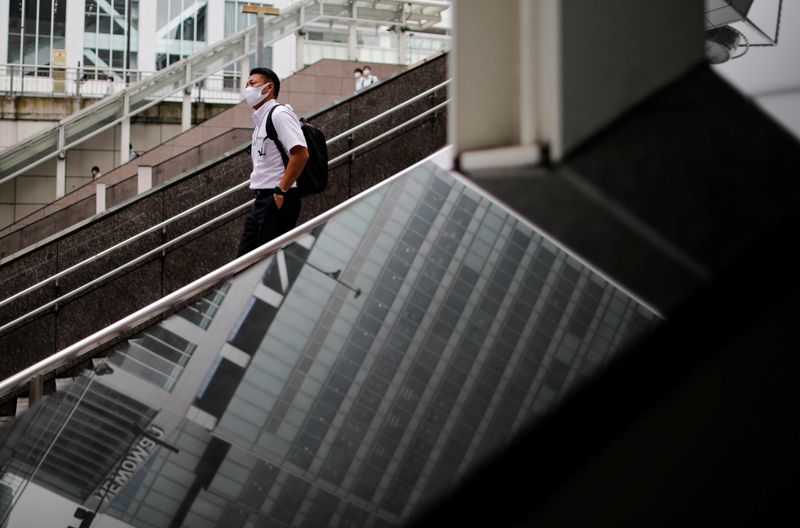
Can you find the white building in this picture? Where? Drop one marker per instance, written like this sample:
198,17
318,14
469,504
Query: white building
104,38
59,56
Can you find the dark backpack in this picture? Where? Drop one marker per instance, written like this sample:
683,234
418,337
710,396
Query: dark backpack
314,177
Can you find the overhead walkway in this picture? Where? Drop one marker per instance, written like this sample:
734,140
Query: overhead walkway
102,270
180,77
349,373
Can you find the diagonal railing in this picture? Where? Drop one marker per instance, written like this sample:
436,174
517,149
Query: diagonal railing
183,214
138,97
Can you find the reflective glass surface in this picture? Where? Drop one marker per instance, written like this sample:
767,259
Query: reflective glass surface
347,380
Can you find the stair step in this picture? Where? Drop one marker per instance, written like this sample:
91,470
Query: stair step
63,384
22,405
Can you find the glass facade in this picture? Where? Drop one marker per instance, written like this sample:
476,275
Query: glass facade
236,21
111,36
180,29
79,437
36,29
361,371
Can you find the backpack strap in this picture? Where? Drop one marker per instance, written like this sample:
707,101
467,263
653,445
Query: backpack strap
272,134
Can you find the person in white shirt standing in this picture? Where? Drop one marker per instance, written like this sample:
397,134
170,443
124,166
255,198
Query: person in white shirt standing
367,78
277,199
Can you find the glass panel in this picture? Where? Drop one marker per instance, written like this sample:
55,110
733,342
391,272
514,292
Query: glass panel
407,339
151,91
15,16
102,114
214,62
44,18
35,149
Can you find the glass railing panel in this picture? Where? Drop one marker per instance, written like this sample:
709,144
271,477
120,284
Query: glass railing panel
105,113
380,12
315,51
158,87
339,8
216,59
20,156
352,376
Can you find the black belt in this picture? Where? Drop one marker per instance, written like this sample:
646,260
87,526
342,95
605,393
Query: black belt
269,192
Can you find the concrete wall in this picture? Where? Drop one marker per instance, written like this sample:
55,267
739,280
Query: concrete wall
557,71
118,296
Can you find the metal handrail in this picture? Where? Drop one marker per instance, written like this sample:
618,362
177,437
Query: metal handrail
185,293
389,132
109,250
89,285
191,232
213,199
387,112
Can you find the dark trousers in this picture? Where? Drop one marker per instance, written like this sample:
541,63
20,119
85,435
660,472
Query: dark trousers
266,221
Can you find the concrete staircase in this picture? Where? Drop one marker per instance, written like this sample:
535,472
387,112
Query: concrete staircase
114,297
311,89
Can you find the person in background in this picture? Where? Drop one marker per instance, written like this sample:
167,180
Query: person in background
368,79
109,85
95,172
133,154
359,75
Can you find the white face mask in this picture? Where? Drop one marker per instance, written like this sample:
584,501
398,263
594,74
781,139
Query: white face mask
367,73
253,95
358,75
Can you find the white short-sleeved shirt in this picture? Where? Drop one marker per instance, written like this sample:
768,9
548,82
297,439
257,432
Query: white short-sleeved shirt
268,168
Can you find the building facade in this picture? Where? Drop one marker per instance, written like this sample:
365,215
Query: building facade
353,377
98,39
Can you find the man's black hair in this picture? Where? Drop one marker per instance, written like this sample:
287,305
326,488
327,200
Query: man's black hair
271,76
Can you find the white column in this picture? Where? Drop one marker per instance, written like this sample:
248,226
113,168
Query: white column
244,65
144,178
186,109
100,198
352,41
4,31
260,55
73,33
125,134
402,40
61,166
484,111
299,51
124,140
352,37
216,12
563,72
61,177
147,34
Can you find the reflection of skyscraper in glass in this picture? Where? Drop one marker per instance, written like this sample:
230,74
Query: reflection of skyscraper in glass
302,404
6,496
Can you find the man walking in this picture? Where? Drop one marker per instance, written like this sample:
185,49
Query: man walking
277,199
